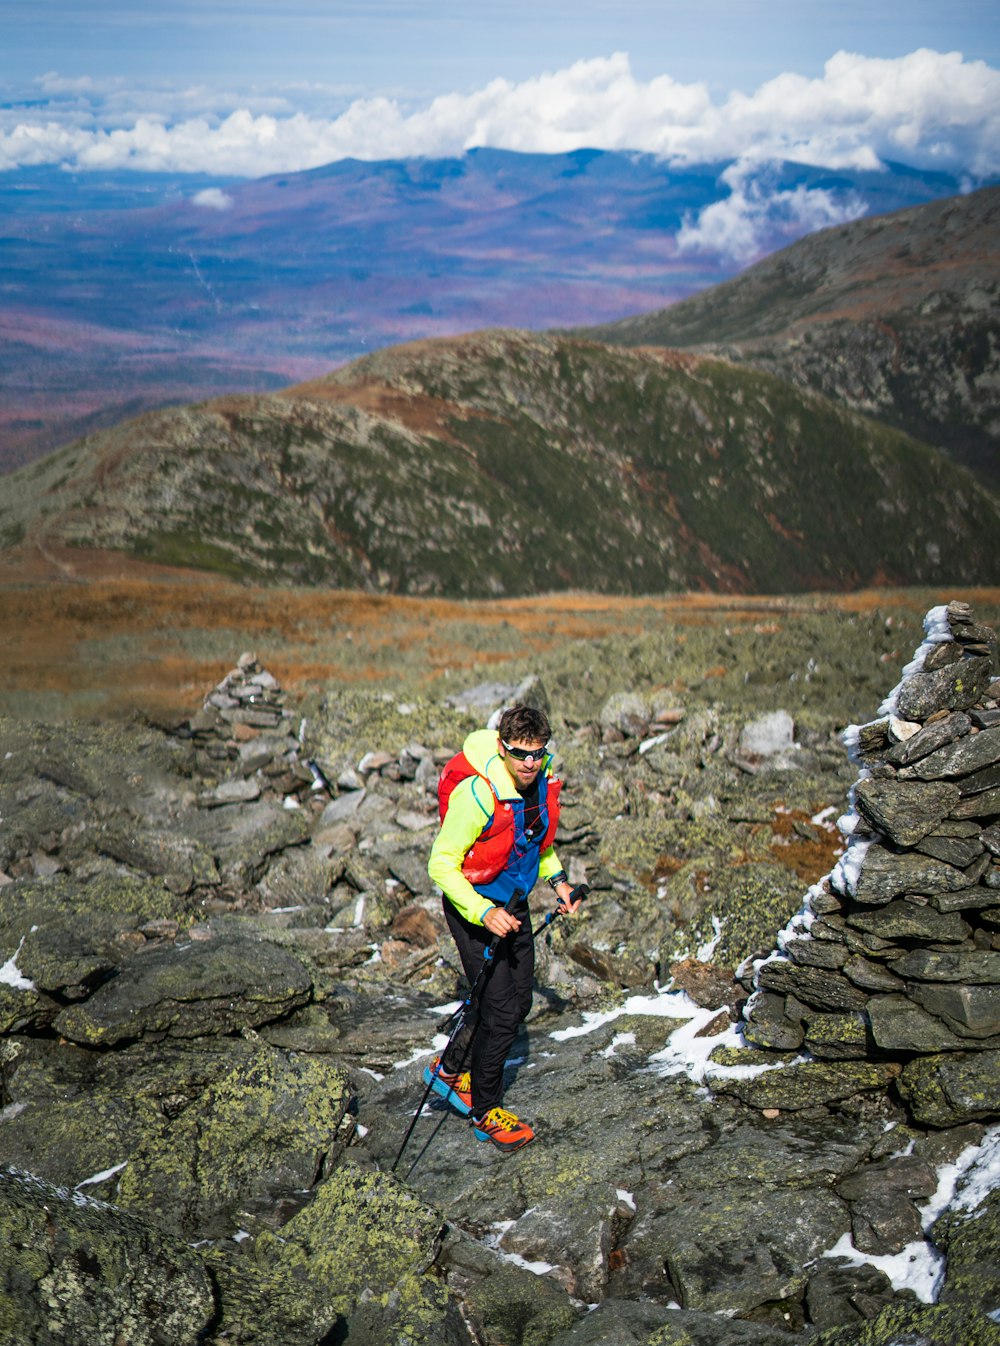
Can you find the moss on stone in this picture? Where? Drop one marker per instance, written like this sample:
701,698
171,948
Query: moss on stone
920,1324
807,1085
258,1134
361,1237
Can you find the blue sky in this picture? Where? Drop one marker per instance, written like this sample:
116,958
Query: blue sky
248,87
427,47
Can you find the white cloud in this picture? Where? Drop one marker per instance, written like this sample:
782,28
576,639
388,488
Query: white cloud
212,198
757,216
928,109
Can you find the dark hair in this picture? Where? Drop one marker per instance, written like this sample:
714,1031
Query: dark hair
526,724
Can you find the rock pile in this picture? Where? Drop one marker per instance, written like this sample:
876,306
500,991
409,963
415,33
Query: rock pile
897,955
246,723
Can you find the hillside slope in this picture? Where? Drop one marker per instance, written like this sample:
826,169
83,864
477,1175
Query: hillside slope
509,463
897,316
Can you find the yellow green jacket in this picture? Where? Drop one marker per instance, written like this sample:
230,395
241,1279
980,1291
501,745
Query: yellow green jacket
470,809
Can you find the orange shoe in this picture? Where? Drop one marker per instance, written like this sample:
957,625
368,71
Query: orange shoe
503,1129
453,1088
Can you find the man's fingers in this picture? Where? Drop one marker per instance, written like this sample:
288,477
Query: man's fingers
500,922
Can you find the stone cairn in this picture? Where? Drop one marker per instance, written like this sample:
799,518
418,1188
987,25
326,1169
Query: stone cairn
896,954
245,726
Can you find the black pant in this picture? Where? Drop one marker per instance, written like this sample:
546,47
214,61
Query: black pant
501,1004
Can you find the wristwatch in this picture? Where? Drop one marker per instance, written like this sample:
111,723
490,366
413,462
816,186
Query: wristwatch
556,879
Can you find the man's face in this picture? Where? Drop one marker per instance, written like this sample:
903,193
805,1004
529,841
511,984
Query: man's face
522,769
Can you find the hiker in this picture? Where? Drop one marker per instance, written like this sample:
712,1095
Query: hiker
495,841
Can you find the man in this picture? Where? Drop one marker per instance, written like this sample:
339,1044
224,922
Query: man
496,841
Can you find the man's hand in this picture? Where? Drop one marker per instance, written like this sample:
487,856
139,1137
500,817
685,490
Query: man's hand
566,906
500,922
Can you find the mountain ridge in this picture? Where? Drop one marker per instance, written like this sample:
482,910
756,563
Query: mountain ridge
897,316
505,463
131,291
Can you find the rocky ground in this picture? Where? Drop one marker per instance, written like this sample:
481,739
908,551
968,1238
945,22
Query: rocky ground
224,968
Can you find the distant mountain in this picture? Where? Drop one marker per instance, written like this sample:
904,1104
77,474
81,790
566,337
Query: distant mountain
511,463
897,316
123,292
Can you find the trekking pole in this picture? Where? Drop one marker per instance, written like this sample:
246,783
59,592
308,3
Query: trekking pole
462,1011
579,892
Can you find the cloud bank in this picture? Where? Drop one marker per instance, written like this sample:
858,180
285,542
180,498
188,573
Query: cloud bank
929,109
757,216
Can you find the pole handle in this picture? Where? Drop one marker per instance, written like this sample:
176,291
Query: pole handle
509,906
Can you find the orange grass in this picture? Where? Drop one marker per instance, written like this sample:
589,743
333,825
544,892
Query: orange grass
97,623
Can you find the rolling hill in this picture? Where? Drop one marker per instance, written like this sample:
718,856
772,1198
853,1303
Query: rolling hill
897,316
506,463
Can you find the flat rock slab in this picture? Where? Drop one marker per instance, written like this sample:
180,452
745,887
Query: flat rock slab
900,920
928,739
970,966
242,834
972,1011
204,988
885,875
807,1084
968,755
258,1135
905,810
956,687
898,1024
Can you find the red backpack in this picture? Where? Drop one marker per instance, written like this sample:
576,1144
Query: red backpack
488,856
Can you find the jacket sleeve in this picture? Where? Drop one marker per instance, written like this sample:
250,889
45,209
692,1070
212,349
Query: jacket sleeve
465,819
549,864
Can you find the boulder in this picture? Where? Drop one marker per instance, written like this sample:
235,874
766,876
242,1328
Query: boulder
953,1088
77,1270
187,991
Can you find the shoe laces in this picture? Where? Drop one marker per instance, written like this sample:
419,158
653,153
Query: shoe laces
502,1119
461,1083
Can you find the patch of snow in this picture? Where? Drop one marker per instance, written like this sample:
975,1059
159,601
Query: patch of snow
665,1005
822,818
241,1236
916,1268
102,1176
493,1240
981,1174
290,803
619,1040
418,1053
9,974
627,1197
688,1054
847,870
655,742
359,910
936,632
705,951
373,1073
962,1185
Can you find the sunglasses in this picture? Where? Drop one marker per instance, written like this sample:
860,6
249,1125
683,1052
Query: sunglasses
525,754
